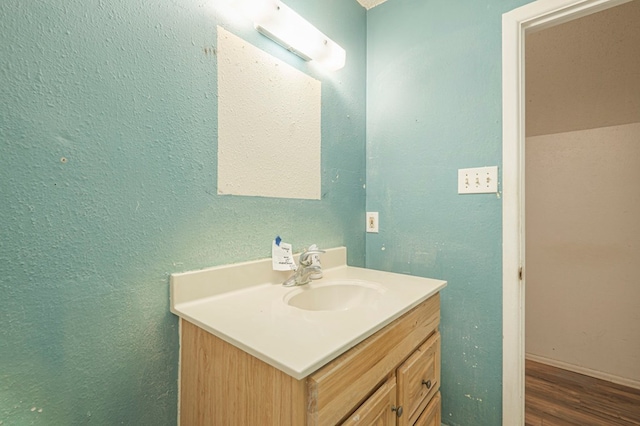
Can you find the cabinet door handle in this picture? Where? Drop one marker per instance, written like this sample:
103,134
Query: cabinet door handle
427,383
398,410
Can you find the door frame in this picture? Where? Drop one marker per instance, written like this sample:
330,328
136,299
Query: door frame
516,24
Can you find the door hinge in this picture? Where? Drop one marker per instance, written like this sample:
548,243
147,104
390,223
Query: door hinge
520,273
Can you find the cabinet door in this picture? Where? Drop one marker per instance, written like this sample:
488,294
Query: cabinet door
419,379
431,416
377,410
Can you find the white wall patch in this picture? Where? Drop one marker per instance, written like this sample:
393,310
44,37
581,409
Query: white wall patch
269,124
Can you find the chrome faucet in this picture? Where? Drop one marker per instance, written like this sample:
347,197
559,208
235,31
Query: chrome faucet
306,268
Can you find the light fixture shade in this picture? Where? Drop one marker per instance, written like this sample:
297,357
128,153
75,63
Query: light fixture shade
283,25
333,56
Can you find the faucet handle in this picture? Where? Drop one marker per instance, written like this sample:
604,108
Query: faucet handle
305,256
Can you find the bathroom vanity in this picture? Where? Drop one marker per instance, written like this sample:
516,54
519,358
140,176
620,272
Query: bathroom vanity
366,351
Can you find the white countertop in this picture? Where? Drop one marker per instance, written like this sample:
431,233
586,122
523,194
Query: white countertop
243,304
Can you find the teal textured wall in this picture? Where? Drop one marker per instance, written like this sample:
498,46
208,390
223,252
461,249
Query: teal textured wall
434,106
108,183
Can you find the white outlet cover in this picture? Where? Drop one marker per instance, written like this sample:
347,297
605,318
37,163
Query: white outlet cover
479,180
372,222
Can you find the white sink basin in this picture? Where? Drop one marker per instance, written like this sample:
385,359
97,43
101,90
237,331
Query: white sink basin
336,295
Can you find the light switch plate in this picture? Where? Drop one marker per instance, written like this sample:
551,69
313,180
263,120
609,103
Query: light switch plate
479,180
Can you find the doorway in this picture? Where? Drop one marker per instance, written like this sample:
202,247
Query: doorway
517,24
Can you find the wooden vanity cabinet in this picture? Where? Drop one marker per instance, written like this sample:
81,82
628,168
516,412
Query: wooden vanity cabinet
416,382
390,378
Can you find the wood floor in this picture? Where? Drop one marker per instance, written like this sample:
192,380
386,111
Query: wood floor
556,397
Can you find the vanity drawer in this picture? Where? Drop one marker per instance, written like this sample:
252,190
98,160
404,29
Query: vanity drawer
431,416
419,379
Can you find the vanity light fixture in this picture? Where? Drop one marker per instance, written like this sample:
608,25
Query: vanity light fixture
283,25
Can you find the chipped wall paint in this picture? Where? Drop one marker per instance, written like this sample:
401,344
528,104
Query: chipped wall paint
108,184
434,106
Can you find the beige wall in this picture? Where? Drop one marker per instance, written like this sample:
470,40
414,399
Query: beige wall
583,195
583,249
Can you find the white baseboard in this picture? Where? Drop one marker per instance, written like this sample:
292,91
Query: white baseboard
586,371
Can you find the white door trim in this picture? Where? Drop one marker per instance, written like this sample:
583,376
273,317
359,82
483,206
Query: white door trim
534,16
